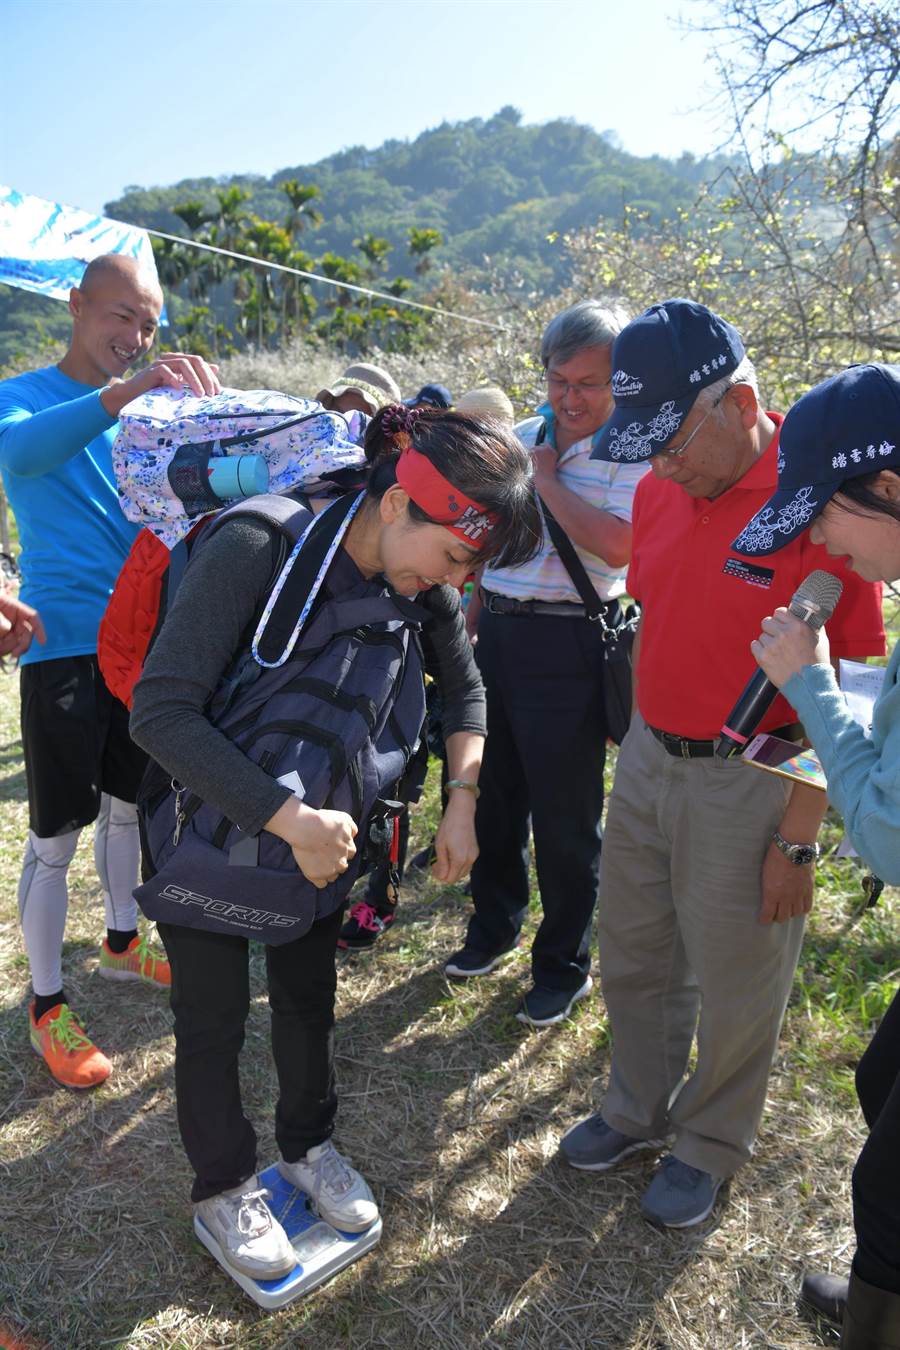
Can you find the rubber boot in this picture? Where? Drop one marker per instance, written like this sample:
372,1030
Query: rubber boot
826,1293
872,1318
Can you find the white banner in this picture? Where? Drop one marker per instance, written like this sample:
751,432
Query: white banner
45,246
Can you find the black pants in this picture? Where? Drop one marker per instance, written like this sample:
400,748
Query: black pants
210,999
544,758
876,1177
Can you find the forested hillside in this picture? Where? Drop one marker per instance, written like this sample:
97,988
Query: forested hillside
491,187
495,191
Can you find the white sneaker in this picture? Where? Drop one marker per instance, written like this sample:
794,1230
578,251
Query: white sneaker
250,1237
336,1190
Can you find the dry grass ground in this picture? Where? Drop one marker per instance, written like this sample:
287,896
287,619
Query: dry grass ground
453,1111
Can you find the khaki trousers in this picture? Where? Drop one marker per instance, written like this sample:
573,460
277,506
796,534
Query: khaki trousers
682,951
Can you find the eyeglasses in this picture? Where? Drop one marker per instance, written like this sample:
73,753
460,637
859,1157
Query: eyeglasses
558,386
677,450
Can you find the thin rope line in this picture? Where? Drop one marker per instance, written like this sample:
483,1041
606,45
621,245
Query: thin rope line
329,281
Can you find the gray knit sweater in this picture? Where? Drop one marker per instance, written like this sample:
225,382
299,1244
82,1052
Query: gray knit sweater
222,593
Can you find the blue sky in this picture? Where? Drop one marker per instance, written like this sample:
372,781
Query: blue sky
99,94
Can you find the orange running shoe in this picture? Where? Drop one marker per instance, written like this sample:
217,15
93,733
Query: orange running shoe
70,1055
137,962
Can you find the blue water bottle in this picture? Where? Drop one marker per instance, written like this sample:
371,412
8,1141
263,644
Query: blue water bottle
232,476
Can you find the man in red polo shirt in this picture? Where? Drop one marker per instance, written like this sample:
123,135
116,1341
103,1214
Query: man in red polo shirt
708,865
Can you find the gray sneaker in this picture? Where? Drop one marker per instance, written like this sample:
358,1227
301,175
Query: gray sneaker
336,1190
680,1195
249,1236
594,1146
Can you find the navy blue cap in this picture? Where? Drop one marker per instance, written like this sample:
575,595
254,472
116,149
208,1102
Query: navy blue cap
844,428
661,361
433,395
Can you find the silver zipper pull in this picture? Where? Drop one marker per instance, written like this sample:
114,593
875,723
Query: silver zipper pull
179,814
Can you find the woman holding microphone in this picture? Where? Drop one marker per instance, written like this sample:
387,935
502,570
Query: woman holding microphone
840,473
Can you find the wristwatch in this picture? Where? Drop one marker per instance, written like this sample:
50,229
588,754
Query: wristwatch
801,855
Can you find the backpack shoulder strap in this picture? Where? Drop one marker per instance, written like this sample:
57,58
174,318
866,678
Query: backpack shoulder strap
299,581
289,513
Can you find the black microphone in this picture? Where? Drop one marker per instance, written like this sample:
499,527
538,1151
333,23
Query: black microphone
814,601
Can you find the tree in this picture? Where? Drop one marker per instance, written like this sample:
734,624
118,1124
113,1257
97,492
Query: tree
200,270
301,214
421,243
794,241
194,214
803,307
375,251
173,262
230,217
265,240
202,334
826,70
298,303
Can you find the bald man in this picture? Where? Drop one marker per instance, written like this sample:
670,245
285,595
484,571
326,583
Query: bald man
56,431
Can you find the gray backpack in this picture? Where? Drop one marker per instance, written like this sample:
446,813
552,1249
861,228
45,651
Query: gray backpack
330,701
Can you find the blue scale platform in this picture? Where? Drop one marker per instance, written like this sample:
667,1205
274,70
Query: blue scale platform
321,1249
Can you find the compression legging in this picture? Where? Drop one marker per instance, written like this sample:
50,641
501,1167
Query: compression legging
44,893
117,852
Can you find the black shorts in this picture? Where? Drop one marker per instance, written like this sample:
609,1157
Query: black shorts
76,744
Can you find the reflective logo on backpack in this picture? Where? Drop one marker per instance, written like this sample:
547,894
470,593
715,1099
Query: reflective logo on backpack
222,909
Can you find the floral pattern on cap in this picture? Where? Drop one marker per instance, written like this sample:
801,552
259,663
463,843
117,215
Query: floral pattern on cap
638,438
759,535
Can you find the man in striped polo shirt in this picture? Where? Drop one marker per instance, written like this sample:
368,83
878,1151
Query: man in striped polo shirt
541,662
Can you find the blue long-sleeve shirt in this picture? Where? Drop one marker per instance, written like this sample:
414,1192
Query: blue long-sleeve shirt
56,460
862,768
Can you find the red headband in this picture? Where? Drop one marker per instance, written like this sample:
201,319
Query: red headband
439,499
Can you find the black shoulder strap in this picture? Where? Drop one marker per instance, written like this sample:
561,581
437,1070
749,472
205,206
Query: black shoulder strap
593,605
299,582
288,512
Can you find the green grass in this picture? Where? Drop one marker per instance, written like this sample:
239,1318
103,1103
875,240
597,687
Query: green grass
453,1110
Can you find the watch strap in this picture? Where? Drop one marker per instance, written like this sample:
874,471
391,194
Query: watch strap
797,853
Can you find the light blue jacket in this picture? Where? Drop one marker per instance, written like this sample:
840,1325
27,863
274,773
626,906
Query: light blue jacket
862,768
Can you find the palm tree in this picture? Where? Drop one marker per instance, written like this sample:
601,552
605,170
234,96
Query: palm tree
231,217
194,214
301,213
421,242
375,251
265,240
